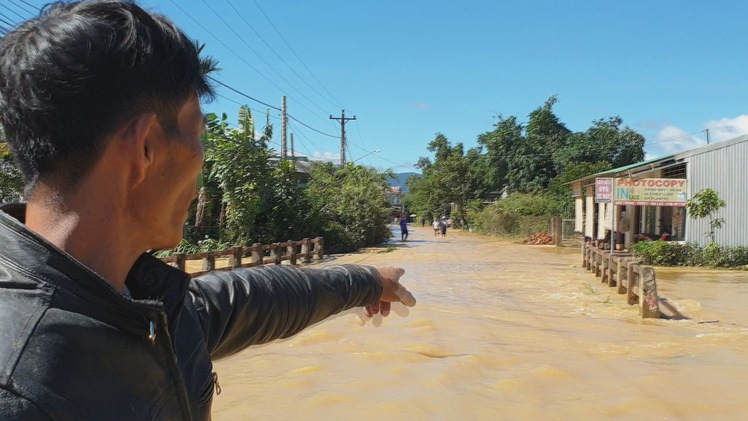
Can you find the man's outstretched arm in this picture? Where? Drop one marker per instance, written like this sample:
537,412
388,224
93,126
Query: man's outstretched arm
253,306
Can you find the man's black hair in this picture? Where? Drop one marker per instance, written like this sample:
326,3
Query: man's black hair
75,74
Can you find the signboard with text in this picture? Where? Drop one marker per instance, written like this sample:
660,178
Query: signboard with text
603,190
651,192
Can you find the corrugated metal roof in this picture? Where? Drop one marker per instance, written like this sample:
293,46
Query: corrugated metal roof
625,168
675,157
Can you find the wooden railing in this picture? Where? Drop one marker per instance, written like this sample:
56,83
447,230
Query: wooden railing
258,254
625,272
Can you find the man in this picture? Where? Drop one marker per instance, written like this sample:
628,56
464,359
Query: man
403,228
100,104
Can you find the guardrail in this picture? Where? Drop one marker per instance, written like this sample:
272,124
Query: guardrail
625,272
305,250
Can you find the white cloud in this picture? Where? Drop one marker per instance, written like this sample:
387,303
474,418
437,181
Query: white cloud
325,156
671,139
727,128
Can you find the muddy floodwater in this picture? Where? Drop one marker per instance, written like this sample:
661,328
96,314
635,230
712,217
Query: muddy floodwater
505,331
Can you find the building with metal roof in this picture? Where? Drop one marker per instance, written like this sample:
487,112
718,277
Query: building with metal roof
719,166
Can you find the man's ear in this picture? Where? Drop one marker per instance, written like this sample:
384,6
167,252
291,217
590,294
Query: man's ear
140,135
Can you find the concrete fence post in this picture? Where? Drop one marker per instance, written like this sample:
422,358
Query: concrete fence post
209,262
319,245
258,254
291,252
181,261
649,303
235,260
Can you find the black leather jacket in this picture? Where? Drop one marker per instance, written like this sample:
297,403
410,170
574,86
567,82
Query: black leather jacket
72,347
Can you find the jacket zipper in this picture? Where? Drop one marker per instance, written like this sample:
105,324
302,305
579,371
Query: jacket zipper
152,333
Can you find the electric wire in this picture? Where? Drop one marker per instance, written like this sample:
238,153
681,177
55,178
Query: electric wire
301,135
669,139
294,53
14,12
18,5
7,21
276,53
225,46
30,5
241,38
290,117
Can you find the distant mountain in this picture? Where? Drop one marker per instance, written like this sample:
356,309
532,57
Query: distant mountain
400,179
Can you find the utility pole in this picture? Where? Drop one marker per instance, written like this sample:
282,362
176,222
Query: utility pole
293,156
707,136
283,128
342,120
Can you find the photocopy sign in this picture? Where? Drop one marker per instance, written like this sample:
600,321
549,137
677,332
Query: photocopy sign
603,190
651,192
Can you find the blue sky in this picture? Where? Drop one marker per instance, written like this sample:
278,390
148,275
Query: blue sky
410,69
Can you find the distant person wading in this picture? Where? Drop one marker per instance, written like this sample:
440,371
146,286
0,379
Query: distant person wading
403,228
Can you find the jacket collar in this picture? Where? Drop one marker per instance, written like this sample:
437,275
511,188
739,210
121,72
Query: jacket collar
154,284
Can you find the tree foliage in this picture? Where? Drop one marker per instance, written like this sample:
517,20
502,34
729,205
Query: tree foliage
249,194
705,204
538,157
351,204
11,180
450,180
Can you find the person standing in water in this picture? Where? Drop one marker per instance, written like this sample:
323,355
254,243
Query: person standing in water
403,228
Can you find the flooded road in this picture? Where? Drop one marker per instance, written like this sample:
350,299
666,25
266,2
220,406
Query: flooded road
505,331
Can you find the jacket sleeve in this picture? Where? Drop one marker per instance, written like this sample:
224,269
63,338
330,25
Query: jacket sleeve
252,306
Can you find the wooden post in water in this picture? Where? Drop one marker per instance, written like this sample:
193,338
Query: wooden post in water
648,300
584,254
622,275
630,282
558,231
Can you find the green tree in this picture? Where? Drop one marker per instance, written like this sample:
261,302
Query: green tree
705,204
351,204
11,180
534,166
450,179
238,163
605,141
501,145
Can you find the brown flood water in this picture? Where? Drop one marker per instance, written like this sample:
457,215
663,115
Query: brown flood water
505,331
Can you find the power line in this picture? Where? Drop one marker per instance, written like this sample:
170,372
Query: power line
31,5
276,54
270,106
675,137
243,94
32,12
294,53
14,12
301,134
241,38
9,22
225,46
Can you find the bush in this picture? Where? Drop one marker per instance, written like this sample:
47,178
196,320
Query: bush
519,215
666,253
